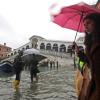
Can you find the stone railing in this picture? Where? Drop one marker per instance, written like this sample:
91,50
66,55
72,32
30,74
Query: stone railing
54,53
47,53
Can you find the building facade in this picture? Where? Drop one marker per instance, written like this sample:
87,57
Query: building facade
4,51
43,44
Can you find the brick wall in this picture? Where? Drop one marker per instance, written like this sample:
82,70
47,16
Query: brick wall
4,50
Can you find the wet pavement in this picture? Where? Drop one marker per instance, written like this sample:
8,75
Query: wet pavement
53,84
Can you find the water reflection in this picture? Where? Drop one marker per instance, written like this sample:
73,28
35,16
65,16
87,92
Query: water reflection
17,95
33,87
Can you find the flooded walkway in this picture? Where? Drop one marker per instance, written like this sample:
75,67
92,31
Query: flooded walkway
52,85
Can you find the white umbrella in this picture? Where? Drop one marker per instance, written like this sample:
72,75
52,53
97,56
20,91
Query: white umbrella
32,54
31,51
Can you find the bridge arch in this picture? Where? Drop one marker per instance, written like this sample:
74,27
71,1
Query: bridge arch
55,47
42,46
62,48
48,46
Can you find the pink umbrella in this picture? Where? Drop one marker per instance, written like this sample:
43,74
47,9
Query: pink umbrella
71,17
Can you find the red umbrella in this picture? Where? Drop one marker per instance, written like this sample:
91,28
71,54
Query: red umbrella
71,17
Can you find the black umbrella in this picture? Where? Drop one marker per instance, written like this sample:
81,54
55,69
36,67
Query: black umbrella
32,55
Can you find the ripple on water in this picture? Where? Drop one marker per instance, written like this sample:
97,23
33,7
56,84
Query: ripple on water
52,85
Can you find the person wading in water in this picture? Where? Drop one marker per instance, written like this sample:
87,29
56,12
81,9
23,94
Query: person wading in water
34,70
18,66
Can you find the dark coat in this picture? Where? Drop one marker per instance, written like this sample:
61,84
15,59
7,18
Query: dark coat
94,62
34,67
18,64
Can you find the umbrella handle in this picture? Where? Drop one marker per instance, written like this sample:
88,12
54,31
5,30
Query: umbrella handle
78,26
75,36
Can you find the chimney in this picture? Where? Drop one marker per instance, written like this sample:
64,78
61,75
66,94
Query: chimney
4,44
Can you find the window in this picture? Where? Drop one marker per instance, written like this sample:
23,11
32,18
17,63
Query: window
42,46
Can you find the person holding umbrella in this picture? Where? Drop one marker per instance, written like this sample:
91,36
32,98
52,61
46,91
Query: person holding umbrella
82,17
33,56
34,69
92,43
18,66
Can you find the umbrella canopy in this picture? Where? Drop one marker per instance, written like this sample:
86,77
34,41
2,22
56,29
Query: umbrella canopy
31,51
71,17
32,54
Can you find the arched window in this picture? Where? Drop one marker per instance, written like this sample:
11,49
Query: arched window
42,46
48,46
62,48
55,47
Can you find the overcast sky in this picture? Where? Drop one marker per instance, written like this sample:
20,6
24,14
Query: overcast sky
21,19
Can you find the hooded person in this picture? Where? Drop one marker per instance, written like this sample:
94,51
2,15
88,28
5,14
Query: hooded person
18,66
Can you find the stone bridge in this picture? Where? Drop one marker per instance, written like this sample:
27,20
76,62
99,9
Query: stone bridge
51,55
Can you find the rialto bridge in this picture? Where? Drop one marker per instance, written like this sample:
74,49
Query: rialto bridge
54,47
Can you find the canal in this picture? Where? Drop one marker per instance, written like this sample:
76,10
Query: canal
53,84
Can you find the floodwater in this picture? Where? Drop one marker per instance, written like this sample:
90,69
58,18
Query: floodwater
52,85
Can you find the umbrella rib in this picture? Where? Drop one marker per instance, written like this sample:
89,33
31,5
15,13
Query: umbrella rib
76,11
82,11
69,19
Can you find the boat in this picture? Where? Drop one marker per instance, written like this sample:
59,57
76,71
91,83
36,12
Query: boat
6,69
